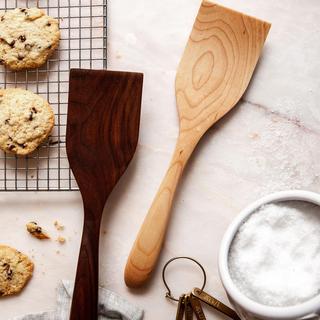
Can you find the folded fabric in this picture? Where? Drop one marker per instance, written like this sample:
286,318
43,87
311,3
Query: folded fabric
111,306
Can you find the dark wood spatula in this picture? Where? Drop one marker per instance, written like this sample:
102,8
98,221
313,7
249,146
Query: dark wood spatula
102,134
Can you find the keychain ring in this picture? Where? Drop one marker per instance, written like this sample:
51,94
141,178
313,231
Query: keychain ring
168,294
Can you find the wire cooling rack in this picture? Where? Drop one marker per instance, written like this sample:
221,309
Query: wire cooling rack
83,44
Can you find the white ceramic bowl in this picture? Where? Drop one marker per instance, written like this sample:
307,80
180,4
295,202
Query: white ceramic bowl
247,308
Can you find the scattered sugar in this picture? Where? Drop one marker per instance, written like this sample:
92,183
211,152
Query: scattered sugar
286,151
274,258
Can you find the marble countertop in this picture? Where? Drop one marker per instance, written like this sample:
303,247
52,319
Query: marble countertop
269,142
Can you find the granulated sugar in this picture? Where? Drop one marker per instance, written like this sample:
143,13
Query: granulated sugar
274,258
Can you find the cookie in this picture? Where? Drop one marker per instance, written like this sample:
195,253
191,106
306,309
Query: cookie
27,38
36,231
15,270
26,120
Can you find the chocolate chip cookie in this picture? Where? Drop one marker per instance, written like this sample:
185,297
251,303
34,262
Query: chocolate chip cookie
15,270
26,120
27,38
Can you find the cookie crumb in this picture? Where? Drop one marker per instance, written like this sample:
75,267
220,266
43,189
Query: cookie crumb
254,135
58,226
36,231
61,240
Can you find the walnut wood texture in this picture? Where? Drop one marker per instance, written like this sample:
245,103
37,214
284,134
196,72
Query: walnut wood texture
215,70
102,134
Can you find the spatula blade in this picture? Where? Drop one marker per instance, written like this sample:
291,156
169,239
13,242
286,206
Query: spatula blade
103,125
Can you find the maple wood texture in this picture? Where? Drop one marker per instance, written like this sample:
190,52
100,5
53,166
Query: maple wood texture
215,70
102,134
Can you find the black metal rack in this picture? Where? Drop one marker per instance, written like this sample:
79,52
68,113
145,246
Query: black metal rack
83,44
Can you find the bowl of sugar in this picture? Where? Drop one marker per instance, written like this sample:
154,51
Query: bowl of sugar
269,259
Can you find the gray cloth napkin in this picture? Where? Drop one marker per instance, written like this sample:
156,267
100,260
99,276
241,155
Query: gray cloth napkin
111,306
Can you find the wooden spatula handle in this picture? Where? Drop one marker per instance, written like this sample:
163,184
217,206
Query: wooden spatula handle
146,249
85,294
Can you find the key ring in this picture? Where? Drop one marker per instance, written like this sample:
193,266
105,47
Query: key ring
168,293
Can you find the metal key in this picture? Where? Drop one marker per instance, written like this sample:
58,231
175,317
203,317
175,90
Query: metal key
197,309
188,307
181,307
216,304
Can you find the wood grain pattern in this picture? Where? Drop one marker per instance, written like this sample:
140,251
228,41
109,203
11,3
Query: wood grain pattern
215,70
102,134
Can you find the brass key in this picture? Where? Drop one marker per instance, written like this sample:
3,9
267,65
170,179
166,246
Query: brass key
197,309
181,307
216,304
188,308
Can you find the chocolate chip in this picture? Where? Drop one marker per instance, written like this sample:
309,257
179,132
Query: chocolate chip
23,10
2,18
52,143
1,61
8,271
22,145
11,147
34,109
49,47
6,121
48,24
31,116
9,274
38,230
22,38
1,293
21,56
11,44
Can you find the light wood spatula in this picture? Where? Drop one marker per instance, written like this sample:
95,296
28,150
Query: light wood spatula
215,70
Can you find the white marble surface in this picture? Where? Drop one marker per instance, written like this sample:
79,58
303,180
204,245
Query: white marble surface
269,142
